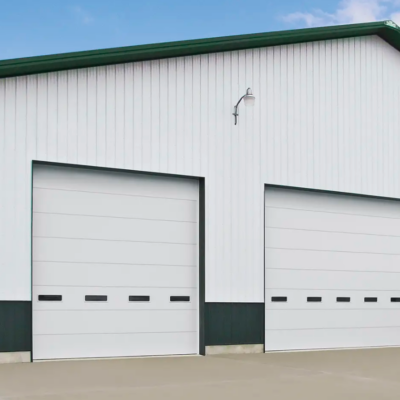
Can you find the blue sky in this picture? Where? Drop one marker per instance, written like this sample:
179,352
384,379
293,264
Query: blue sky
38,27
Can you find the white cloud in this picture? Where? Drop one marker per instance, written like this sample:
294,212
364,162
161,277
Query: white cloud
309,19
82,15
348,12
395,17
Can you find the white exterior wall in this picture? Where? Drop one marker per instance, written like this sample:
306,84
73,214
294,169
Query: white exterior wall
326,117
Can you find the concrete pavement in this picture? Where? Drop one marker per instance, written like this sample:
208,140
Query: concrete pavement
328,375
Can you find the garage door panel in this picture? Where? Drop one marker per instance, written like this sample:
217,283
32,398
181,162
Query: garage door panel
100,204
100,251
117,275
297,299
334,222
100,181
332,319
311,200
117,321
342,249
73,298
110,345
105,228
115,258
322,241
330,260
330,338
349,280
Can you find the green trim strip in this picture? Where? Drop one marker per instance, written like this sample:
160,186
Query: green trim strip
15,326
202,264
234,323
387,30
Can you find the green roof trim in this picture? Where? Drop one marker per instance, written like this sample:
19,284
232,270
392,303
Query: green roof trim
387,30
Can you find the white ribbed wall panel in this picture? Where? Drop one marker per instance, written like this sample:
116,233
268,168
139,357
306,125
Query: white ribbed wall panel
326,117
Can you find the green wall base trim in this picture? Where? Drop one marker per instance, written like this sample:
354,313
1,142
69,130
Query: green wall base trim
15,326
234,323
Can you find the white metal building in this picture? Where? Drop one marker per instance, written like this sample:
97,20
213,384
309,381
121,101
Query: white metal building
138,219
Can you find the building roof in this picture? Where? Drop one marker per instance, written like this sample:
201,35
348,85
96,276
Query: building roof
387,30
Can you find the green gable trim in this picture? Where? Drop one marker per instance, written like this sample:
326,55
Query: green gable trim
387,30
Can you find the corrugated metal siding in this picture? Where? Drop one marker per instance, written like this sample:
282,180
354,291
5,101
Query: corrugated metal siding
326,117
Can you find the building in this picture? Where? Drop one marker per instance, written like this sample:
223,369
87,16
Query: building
138,219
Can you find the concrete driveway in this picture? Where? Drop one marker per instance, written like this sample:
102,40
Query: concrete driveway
356,374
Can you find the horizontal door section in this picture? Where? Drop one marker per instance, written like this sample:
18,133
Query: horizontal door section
332,270
110,252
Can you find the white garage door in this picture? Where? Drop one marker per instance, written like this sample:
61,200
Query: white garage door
114,264
332,270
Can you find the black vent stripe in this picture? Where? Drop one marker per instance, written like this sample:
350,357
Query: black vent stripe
91,297
395,299
279,299
370,299
343,299
139,298
50,297
179,298
314,299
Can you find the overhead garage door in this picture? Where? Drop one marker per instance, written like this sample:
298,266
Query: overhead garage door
332,270
114,264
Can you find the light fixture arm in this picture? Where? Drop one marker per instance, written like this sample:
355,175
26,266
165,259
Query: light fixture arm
236,107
